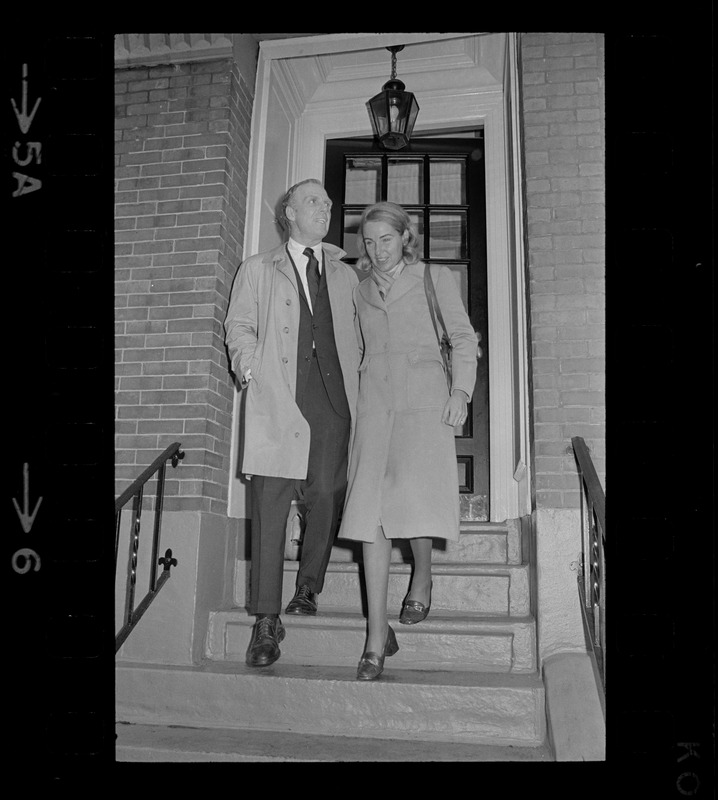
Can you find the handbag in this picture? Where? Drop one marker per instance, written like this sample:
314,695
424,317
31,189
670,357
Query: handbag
445,346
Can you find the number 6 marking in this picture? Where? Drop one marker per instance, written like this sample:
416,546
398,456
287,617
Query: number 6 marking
27,555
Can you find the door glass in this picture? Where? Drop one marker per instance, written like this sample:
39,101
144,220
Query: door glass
350,231
417,218
363,181
441,186
448,182
447,233
405,181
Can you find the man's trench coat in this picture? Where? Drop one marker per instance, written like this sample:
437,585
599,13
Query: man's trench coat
262,327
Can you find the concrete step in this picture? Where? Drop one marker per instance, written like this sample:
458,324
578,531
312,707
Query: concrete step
411,705
479,542
156,743
443,641
496,589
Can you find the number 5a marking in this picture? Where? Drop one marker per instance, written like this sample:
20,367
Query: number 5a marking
33,151
25,184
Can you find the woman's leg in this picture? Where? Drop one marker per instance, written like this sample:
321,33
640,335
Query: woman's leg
377,555
421,579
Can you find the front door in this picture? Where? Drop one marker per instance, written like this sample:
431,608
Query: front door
440,183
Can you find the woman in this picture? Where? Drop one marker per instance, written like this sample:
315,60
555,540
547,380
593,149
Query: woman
403,479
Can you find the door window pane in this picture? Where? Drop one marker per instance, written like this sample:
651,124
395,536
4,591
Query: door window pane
447,234
417,218
466,473
350,230
363,181
405,181
448,182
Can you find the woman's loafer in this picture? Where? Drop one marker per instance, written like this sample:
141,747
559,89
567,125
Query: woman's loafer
371,664
412,611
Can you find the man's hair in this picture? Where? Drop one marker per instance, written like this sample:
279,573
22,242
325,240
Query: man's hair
289,197
393,215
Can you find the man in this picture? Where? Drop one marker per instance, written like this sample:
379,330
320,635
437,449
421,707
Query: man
292,342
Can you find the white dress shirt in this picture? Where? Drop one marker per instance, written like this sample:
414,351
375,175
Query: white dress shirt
296,251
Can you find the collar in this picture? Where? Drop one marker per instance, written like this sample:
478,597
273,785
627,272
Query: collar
297,249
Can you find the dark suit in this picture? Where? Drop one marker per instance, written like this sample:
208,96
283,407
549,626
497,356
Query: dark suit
321,398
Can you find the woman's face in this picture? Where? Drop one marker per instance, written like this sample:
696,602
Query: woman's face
384,244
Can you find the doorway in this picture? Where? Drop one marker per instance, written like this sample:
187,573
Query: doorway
311,91
440,182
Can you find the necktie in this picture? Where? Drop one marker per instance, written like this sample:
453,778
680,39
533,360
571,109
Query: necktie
312,275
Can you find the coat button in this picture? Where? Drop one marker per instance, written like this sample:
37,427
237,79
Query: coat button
285,360
286,330
288,302
296,435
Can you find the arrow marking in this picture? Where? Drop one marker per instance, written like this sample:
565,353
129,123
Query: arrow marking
26,519
24,121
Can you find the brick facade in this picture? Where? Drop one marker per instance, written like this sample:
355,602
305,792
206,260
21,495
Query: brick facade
563,110
182,146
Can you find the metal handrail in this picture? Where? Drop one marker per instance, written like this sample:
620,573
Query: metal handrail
592,572
135,492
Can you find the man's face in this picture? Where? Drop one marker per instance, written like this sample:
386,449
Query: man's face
309,214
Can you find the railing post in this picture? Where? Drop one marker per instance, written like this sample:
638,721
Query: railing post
134,547
118,522
585,536
159,500
136,492
593,572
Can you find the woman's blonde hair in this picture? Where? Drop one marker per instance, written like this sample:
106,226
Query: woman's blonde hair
393,215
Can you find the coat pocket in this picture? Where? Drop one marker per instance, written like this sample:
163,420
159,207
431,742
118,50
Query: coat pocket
426,381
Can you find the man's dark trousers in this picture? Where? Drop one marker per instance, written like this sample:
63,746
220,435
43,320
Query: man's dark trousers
322,492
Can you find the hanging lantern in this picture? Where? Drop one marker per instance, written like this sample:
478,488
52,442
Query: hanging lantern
393,111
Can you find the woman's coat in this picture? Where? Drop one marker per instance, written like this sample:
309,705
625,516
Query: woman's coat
262,329
403,473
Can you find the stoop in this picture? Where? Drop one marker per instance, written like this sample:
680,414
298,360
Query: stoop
465,677
476,708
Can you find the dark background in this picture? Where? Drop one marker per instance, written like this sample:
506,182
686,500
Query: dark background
660,379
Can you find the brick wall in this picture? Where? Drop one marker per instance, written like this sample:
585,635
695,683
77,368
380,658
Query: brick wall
563,112
182,145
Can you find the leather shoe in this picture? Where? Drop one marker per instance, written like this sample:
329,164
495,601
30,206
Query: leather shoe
267,633
371,664
303,602
412,611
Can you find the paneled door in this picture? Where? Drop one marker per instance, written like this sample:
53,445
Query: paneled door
440,183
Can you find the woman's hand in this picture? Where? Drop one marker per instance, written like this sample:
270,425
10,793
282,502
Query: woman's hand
455,410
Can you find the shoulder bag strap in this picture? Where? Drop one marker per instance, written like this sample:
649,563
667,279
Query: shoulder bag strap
434,308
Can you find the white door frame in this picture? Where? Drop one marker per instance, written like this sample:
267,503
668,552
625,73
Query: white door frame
289,134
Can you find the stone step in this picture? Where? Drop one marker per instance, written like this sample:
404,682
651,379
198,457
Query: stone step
443,641
157,743
465,707
497,589
479,542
